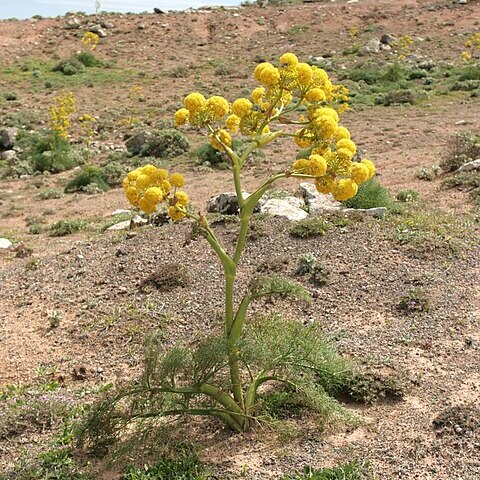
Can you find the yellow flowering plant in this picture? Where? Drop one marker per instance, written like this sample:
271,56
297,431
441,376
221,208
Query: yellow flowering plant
87,125
90,41
472,46
294,101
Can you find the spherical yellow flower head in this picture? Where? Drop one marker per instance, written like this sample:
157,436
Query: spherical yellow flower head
269,75
149,169
324,126
182,198
315,95
233,123
348,144
344,154
342,133
259,69
320,76
289,59
166,186
181,116
257,95
218,106
132,195
359,173
159,174
133,175
344,189
325,184
303,138
144,181
301,165
175,213
147,206
304,74
317,166
242,107
371,167
177,180
323,111
223,137
194,102
153,195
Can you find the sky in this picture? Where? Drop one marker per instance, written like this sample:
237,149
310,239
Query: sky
51,8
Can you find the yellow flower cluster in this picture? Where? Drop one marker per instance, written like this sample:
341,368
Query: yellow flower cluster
87,123
60,113
473,43
90,41
283,90
148,186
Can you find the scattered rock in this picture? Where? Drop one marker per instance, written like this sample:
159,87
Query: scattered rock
472,166
136,143
120,211
73,24
226,203
285,207
8,155
388,39
378,212
98,30
107,25
427,65
158,10
22,251
135,222
316,201
7,137
5,243
141,26
372,46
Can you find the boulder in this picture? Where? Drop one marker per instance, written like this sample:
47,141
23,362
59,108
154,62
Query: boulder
5,243
372,46
137,142
73,24
7,137
226,203
285,207
318,202
135,222
98,30
8,155
389,39
472,166
158,11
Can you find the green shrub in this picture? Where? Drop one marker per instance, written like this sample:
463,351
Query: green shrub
462,147
282,404
350,471
397,97
469,72
429,174
88,59
50,193
370,194
87,176
66,227
208,155
393,73
165,143
309,227
366,74
10,96
69,66
407,195
414,301
51,154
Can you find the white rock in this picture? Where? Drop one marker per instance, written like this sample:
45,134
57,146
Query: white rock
8,155
285,207
5,243
372,46
469,167
316,201
125,225
120,211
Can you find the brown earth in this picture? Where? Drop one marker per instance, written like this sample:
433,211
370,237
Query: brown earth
94,280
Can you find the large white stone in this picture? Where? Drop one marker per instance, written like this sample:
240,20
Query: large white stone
469,167
285,207
5,243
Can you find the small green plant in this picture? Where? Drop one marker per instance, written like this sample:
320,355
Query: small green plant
54,317
166,277
407,196
308,265
414,301
88,176
371,194
69,66
282,405
165,143
466,181
88,59
66,227
309,227
462,147
350,471
50,193
186,467
10,96
393,73
428,173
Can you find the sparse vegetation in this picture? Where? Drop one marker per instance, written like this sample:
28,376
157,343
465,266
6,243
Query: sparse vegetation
414,301
309,227
66,227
